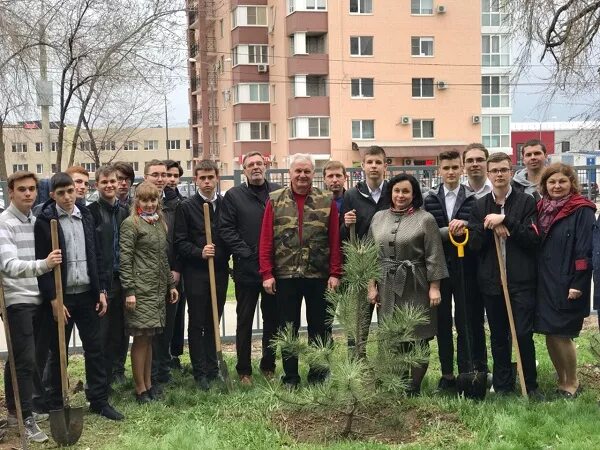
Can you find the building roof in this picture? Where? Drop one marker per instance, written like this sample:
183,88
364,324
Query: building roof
555,126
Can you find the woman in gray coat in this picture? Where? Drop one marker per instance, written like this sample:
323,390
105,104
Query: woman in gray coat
147,281
412,261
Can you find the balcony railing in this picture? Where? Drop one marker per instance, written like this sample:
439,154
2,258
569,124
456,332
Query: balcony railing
193,50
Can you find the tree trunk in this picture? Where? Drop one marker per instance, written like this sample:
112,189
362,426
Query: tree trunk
3,174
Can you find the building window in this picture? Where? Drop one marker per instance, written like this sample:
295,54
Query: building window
492,14
495,91
173,144
54,146
251,93
251,54
361,45
361,6
221,28
90,167
495,131
39,168
108,145
190,165
421,46
363,129
422,87
130,146
309,127
250,16
422,129
150,145
315,44
224,136
420,7
495,50
319,5
274,133
316,86
565,146
53,168
85,146
362,87
39,147
19,147
188,144
17,167
252,131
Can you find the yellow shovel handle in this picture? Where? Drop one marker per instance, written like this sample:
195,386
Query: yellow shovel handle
460,246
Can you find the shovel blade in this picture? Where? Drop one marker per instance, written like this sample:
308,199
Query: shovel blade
66,425
472,385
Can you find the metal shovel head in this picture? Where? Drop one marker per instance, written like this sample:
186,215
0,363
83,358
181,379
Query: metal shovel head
472,385
66,425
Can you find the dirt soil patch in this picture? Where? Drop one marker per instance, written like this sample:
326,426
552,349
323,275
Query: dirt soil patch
385,424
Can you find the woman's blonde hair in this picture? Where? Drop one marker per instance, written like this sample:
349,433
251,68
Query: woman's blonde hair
143,192
564,169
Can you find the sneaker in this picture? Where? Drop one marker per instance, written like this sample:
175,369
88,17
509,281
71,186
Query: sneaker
107,411
12,421
33,432
246,380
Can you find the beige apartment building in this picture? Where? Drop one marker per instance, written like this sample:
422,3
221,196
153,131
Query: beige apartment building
24,148
333,77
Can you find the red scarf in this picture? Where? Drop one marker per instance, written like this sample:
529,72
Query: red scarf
551,211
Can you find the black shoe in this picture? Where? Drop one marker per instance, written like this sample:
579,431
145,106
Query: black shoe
118,378
447,384
143,398
155,392
203,383
107,411
290,385
536,396
175,363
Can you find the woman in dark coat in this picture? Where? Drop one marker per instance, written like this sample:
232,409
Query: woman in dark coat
566,220
147,281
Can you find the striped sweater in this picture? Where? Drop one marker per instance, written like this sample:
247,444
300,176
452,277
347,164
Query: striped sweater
18,265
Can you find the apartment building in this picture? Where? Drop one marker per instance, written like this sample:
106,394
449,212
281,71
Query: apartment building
331,78
24,148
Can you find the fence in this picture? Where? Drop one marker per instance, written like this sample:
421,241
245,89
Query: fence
427,176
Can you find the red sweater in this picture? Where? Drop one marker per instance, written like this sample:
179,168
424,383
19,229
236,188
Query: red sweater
265,249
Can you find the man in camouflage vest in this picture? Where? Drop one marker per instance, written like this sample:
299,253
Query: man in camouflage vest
300,257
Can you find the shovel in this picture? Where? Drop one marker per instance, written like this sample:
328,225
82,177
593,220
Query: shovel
511,320
472,384
13,371
66,424
213,299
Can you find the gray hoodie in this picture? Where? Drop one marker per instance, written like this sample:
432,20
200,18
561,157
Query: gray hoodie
522,184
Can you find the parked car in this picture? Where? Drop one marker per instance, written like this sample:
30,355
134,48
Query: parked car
591,193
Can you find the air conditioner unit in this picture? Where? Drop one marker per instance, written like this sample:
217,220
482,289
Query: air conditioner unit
408,162
476,119
405,120
389,161
442,85
441,9
263,68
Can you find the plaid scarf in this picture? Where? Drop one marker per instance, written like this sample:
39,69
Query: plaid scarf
151,218
408,211
549,209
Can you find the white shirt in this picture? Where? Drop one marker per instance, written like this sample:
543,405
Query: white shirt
450,196
212,201
375,193
485,189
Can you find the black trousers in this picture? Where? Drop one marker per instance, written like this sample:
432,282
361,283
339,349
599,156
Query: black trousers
247,298
112,328
201,338
82,308
523,307
161,347
45,329
289,294
21,318
178,338
451,287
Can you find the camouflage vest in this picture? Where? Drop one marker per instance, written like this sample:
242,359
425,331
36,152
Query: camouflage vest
309,258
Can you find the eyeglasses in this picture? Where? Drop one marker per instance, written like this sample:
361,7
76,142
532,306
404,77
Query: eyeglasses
502,171
158,175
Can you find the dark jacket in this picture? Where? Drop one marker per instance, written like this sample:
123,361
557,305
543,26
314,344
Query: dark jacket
189,237
596,262
434,202
103,214
171,199
239,226
565,258
521,246
359,199
43,246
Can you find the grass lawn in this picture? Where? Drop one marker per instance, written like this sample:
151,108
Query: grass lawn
190,419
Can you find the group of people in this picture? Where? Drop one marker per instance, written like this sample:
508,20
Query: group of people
129,260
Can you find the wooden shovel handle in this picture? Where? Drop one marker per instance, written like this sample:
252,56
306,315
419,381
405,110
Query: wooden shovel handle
60,317
511,320
211,275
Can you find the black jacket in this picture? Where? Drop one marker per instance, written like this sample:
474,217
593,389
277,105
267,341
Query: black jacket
171,199
103,213
521,246
359,199
189,237
434,202
43,246
239,226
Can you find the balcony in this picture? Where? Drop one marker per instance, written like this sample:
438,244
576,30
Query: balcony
306,21
197,151
213,116
192,14
214,149
313,64
308,106
193,50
